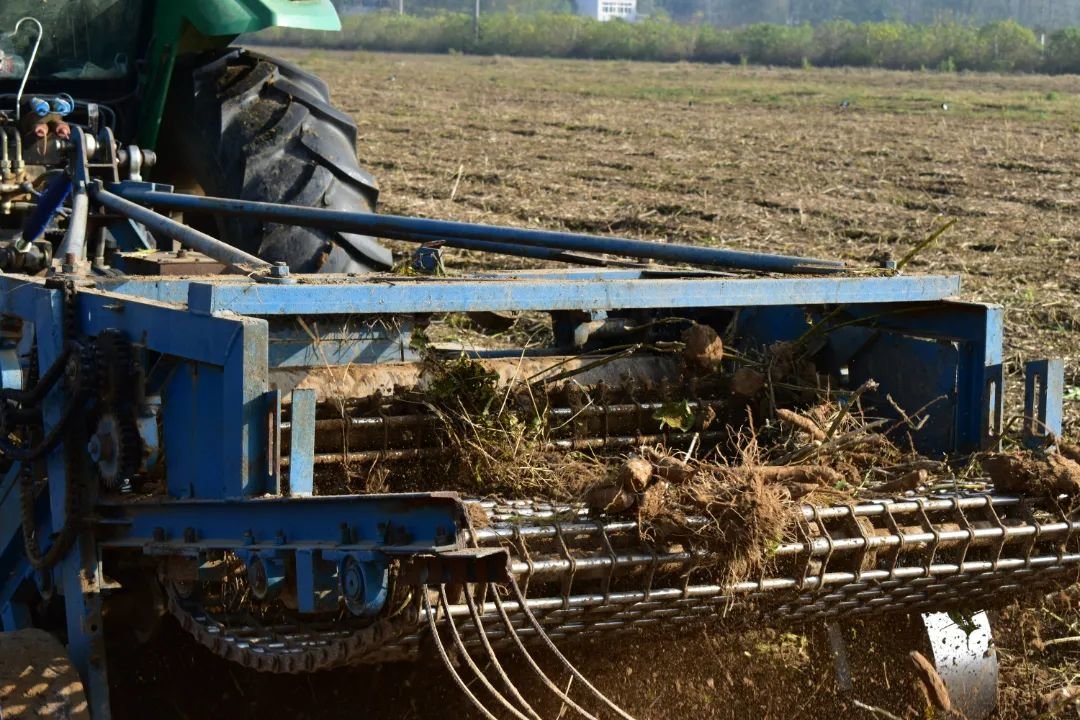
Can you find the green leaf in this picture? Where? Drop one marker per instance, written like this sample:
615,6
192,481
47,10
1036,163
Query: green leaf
965,620
1072,392
675,415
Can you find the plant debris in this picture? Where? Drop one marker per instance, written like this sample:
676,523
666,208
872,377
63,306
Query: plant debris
719,481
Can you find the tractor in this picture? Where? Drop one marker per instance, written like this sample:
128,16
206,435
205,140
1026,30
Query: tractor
224,121
222,402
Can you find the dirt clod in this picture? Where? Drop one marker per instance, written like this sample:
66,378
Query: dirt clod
704,349
653,500
745,517
1033,473
634,474
1053,702
747,382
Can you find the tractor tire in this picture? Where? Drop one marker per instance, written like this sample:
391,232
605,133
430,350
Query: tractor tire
246,126
37,680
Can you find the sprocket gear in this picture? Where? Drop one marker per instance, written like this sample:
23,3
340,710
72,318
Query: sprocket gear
116,448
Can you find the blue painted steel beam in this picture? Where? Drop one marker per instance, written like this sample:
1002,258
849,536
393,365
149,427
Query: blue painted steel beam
218,415
15,616
338,341
161,327
1044,394
386,296
405,522
77,573
175,290
302,443
168,329
978,331
10,509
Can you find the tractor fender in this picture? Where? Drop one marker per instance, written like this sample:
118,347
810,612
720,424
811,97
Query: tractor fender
192,26
236,17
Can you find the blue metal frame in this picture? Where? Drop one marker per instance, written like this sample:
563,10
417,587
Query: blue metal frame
217,340
596,290
1044,396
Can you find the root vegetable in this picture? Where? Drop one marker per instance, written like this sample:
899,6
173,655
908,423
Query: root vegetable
672,469
800,422
797,491
906,482
809,474
937,694
611,499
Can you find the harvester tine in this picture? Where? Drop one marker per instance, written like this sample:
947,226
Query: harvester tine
562,658
512,632
430,611
478,621
463,651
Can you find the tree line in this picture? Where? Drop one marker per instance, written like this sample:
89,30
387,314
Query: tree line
1000,46
1043,15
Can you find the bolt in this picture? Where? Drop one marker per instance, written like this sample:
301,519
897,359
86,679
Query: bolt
94,448
159,534
249,537
352,583
102,447
279,270
182,252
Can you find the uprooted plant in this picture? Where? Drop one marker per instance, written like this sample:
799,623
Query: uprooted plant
737,494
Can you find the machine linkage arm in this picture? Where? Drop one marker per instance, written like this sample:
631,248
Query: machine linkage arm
491,238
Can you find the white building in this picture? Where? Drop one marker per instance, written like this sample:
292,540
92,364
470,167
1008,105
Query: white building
608,9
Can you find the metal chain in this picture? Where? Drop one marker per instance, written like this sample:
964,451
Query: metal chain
74,489
304,648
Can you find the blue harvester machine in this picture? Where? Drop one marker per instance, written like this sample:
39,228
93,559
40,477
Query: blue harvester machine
169,404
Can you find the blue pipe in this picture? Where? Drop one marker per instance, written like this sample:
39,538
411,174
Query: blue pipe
396,227
536,253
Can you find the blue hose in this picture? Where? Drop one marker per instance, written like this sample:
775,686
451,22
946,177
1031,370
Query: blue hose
48,204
